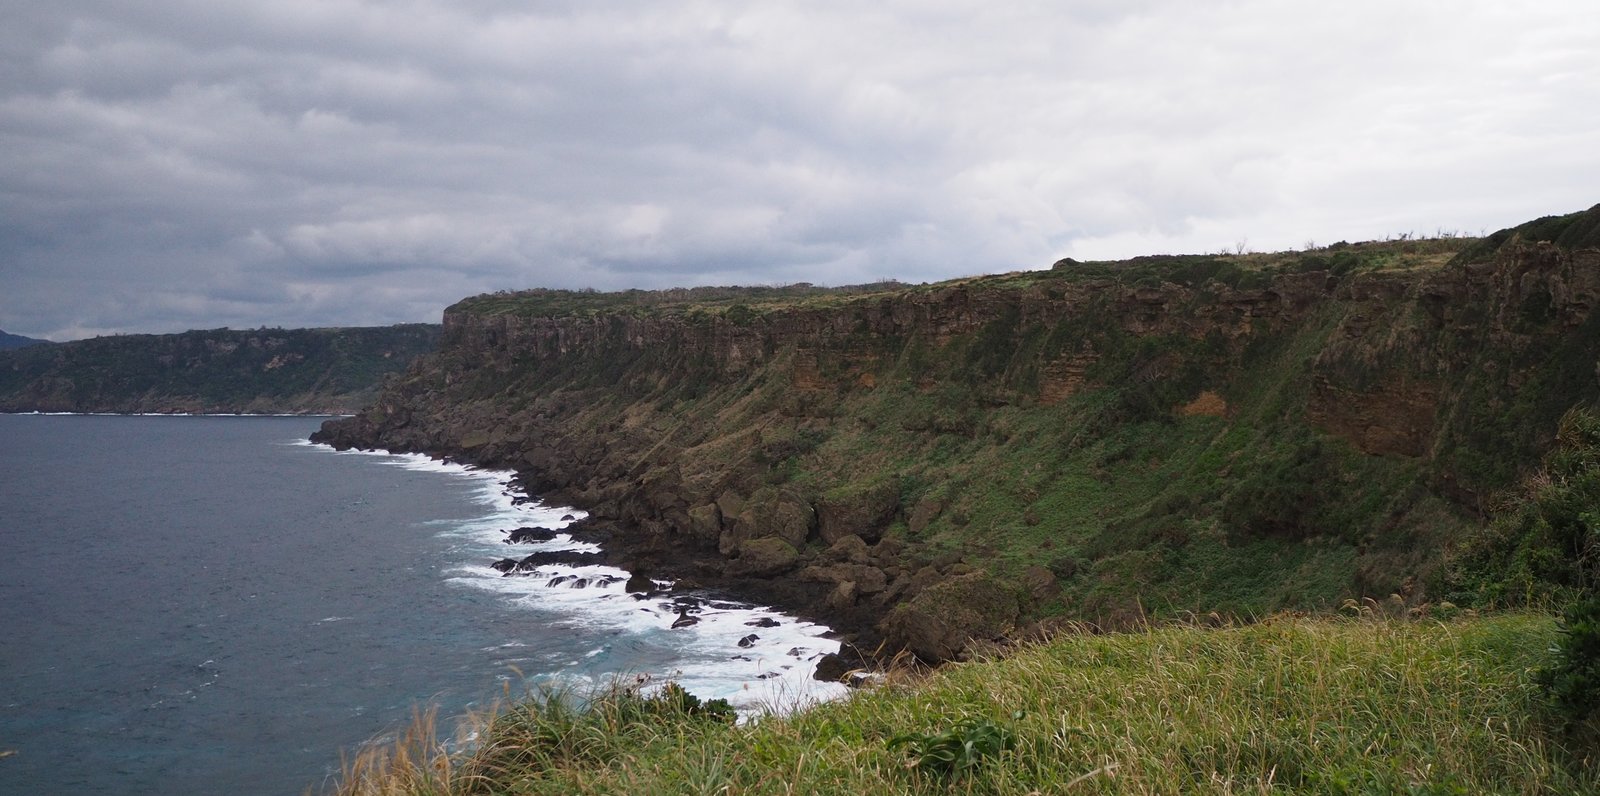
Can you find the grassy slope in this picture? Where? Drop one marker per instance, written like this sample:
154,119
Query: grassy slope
1292,705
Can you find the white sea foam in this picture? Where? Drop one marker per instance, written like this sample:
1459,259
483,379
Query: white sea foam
771,672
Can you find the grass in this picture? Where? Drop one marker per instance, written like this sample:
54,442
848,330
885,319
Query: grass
1290,705
743,305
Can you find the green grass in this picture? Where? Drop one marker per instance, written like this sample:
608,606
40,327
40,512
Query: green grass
1288,706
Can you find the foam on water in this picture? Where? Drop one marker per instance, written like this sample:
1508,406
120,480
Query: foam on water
758,659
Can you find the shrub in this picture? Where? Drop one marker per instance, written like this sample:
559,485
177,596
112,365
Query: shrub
1574,680
961,748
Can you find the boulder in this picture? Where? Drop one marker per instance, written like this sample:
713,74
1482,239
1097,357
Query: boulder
730,503
939,623
924,579
571,558
766,556
769,512
835,666
888,551
862,511
1040,583
868,579
926,510
705,522
529,535
851,549
843,596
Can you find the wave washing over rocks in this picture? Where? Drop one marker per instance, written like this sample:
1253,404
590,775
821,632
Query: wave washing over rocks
758,659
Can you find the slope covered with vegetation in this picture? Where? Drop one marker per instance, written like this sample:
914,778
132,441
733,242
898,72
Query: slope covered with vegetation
929,464
217,370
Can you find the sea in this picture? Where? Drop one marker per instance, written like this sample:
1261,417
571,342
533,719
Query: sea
215,605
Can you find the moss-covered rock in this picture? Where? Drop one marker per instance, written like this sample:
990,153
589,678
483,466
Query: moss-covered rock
860,510
939,623
766,556
770,512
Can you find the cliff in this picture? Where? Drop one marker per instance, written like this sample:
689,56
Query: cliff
328,371
941,463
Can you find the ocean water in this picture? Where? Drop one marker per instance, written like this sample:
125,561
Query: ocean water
213,605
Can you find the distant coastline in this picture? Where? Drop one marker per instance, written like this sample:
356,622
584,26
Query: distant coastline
219,371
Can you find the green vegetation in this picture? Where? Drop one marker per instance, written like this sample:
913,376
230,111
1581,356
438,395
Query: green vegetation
696,303
217,370
743,305
1545,550
1580,230
1289,705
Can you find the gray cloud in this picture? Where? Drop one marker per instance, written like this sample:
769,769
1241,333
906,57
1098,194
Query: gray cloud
177,163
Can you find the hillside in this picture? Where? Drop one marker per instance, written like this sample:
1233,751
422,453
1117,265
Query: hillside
1104,441
217,370
9,341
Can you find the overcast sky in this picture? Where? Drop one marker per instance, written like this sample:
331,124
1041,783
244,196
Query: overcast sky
175,164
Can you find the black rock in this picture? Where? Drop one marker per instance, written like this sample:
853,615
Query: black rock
833,667
505,565
579,583
749,641
684,619
567,518
765,621
571,558
638,582
529,535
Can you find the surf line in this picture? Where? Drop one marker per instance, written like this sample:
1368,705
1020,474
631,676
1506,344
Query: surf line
758,658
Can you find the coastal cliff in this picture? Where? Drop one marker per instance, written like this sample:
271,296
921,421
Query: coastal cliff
243,371
941,464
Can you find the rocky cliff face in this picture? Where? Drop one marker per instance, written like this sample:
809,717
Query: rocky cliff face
1097,440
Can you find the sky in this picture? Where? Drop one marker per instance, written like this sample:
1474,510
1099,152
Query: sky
176,164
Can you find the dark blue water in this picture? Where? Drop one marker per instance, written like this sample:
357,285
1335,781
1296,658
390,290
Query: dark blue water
209,605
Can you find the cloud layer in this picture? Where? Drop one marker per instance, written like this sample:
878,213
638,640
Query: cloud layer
181,163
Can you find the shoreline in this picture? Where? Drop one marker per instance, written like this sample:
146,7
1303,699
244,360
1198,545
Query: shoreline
626,547
719,617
